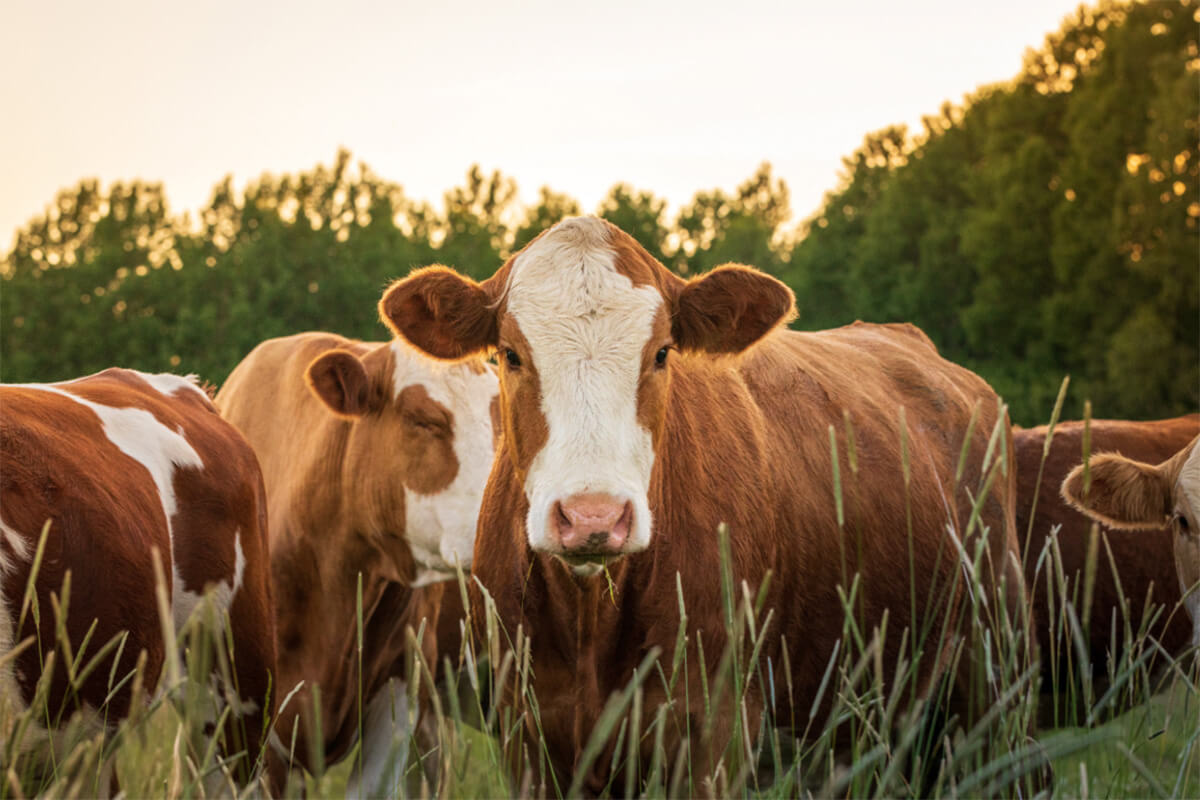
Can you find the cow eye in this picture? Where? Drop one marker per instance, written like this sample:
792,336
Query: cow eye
426,423
1182,521
660,358
512,358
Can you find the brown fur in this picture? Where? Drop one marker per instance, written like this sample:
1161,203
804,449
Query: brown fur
340,380
335,483
1141,573
1119,492
731,299
744,440
106,520
526,432
440,295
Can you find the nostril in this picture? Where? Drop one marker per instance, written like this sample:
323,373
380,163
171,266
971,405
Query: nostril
564,522
626,519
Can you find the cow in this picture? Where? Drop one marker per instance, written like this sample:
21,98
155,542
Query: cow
641,412
1145,581
1131,495
129,474
375,458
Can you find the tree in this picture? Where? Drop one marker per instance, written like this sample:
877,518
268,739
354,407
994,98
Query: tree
552,206
476,232
640,214
819,271
717,228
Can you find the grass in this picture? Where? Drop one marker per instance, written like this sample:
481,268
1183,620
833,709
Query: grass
878,736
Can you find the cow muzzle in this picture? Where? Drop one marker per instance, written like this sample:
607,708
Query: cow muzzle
591,527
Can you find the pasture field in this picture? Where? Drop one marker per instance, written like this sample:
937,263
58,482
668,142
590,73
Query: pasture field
1133,732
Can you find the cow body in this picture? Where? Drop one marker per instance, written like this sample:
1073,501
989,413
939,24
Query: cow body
710,415
1146,580
374,459
1138,498
127,468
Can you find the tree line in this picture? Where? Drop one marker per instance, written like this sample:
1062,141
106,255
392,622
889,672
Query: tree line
1046,226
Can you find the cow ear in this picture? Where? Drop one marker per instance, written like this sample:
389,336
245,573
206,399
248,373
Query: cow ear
339,380
440,312
729,309
1122,493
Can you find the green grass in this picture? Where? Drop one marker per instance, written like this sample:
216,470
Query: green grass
876,741
1150,751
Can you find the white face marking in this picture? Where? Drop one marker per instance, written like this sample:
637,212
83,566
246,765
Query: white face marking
160,450
386,734
440,528
1189,479
1189,492
587,326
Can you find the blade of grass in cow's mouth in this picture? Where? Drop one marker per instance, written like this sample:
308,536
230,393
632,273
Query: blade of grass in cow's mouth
583,559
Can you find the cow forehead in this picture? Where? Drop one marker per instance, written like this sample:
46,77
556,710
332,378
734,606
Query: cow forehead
568,289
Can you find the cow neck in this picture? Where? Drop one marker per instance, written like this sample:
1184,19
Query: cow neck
316,574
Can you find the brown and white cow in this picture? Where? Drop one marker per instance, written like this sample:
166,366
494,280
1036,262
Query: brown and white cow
124,465
1136,496
1137,562
375,458
640,411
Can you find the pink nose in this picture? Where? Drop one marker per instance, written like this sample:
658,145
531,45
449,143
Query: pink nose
593,522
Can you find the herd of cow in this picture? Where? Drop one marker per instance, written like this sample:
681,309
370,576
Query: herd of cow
580,477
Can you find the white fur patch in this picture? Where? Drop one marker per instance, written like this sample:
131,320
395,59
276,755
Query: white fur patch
1189,480
1189,491
19,546
440,527
10,693
387,730
1192,603
587,325
168,384
223,592
138,434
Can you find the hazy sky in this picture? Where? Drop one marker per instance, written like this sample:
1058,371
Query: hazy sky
671,97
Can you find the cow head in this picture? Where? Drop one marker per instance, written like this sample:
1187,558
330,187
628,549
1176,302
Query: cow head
586,326
1129,494
421,447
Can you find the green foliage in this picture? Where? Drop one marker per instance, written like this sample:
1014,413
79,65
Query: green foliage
640,214
552,206
718,228
1049,226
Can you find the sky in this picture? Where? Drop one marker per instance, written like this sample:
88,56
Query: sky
671,97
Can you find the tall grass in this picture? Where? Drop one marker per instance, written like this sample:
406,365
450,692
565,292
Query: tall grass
167,745
871,730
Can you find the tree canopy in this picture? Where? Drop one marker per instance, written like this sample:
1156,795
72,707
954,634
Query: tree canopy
1047,226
